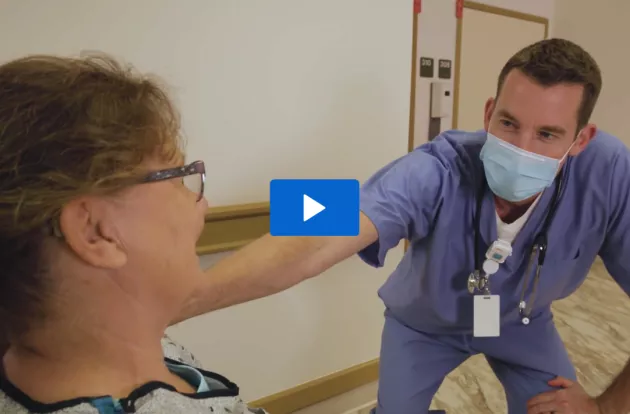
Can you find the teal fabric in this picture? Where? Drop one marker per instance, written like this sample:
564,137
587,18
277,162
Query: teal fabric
190,375
107,405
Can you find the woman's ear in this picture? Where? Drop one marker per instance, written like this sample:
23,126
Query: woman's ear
90,233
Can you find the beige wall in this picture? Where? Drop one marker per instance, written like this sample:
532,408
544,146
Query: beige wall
602,28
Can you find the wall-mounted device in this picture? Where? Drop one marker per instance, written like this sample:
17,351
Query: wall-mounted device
441,106
441,99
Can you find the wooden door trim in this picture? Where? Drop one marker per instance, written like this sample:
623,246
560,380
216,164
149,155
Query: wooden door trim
414,78
412,98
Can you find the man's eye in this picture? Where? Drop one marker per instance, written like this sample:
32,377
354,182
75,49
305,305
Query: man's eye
506,123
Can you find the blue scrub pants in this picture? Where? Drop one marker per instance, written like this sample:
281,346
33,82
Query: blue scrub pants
414,364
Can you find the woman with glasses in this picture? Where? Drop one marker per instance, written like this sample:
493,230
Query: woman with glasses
99,218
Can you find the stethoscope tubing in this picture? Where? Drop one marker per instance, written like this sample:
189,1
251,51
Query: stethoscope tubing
539,247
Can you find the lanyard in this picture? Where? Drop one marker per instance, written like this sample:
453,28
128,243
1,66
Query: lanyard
539,247
480,193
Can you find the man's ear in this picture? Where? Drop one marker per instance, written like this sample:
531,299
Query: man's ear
585,136
487,113
88,232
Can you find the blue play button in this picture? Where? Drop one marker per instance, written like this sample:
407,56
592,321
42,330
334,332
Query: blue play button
314,207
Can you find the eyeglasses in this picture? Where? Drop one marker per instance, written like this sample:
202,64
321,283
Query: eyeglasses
193,175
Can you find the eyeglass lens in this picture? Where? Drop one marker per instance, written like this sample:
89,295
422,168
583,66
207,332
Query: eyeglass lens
194,183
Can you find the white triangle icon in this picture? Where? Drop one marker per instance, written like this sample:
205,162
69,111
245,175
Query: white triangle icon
311,208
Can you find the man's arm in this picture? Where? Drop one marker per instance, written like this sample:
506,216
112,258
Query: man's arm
245,275
616,399
399,201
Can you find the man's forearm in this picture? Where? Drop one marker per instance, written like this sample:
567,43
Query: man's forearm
616,399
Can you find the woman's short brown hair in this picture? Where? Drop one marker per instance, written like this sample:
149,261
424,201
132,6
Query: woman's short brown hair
68,127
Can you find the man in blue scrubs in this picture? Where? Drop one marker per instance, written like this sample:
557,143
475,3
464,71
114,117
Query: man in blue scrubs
538,157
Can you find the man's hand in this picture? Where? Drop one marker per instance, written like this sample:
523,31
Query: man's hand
569,399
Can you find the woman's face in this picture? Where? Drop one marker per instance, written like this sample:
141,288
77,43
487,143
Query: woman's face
143,240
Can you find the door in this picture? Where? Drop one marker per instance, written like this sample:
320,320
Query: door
486,38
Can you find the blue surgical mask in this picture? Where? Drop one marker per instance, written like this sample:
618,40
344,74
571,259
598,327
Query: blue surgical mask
515,174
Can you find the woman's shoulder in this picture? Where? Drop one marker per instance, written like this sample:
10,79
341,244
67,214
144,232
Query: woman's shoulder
224,394
157,400
177,352
221,396
163,401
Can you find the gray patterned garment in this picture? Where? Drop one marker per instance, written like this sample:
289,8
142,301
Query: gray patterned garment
220,397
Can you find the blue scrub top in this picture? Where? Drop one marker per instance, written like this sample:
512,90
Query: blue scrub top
429,197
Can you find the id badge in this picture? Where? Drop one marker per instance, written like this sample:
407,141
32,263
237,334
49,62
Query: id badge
487,316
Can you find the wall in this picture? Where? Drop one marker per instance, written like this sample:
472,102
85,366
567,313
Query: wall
334,104
436,38
599,28
268,89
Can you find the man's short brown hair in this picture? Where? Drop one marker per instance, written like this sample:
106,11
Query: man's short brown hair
554,61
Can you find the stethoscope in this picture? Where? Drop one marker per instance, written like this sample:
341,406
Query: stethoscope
479,279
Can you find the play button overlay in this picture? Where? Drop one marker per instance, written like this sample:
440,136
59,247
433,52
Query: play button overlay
311,208
314,207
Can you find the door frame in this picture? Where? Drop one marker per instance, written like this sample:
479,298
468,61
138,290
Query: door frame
414,76
473,5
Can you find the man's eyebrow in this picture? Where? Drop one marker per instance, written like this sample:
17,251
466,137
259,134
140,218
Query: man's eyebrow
558,130
553,129
505,114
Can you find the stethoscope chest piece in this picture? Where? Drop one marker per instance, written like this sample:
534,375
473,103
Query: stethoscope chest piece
525,320
473,281
478,281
